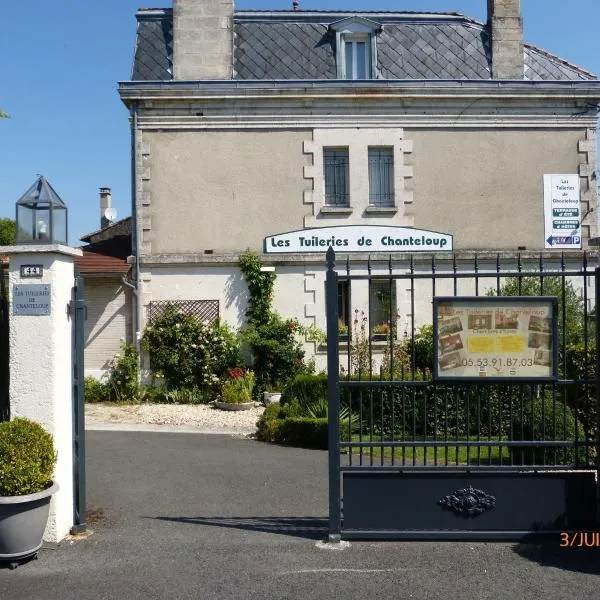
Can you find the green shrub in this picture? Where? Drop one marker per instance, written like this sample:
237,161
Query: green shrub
94,390
580,397
269,422
188,354
542,420
27,457
192,395
122,382
306,389
277,353
237,389
304,432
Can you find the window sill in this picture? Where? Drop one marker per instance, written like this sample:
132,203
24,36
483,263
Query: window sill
381,210
337,210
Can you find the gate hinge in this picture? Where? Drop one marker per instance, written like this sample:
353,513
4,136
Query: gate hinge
72,307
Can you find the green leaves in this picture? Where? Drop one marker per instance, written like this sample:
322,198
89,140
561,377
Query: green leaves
27,457
8,232
187,353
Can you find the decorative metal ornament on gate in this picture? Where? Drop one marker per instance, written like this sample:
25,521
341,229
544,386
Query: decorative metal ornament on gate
468,502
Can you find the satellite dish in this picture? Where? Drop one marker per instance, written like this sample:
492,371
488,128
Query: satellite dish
110,213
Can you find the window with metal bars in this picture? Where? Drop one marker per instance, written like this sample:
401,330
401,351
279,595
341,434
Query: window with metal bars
337,176
344,306
381,177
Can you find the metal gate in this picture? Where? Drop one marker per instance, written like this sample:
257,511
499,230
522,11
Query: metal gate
414,457
4,364
78,315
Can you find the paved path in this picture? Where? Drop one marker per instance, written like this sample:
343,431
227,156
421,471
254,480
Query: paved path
219,517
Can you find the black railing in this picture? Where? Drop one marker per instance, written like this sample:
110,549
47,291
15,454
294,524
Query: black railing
397,414
4,347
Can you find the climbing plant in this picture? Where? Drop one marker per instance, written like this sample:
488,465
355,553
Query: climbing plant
277,352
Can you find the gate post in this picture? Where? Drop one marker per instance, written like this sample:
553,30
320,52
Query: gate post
78,315
40,289
333,393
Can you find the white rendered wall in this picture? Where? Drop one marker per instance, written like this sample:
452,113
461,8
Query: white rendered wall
41,369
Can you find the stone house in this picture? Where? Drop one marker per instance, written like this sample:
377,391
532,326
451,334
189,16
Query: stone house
249,124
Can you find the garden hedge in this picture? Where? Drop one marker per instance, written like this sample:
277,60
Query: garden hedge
543,420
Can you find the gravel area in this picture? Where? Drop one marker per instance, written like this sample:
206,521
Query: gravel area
204,417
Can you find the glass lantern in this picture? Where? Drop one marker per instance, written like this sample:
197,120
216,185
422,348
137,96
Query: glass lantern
41,215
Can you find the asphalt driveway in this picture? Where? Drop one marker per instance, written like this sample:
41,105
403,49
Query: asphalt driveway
183,515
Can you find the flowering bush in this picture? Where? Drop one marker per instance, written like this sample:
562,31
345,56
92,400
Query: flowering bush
277,352
361,358
187,353
122,380
238,387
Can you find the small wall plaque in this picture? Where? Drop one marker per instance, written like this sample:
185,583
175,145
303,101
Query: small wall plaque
31,299
32,271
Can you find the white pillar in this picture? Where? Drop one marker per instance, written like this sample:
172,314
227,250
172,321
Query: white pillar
41,361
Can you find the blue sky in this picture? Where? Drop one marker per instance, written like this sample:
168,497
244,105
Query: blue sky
62,61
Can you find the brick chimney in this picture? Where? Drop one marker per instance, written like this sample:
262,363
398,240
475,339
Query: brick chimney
506,29
202,39
105,202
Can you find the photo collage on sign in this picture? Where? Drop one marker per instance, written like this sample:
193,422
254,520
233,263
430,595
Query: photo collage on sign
479,340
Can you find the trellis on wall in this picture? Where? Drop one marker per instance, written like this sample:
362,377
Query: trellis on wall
205,311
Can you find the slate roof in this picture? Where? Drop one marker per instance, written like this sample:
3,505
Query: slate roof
298,45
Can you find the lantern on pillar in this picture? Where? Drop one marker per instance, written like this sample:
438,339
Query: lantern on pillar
41,215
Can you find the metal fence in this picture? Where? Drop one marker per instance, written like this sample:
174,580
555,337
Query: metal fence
392,420
4,358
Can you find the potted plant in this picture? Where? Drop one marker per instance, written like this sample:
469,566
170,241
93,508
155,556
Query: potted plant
236,393
343,330
380,332
27,460
272,394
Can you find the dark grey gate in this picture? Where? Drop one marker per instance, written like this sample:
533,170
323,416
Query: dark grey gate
78,315
4,366
412,458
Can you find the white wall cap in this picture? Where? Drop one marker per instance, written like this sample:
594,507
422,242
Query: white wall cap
41,248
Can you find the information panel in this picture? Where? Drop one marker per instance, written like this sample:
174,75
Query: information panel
495,338
562,211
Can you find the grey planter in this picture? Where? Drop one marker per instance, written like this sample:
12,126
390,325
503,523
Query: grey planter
271,397
23,520
230,406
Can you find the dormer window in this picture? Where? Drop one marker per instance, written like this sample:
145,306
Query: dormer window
356,50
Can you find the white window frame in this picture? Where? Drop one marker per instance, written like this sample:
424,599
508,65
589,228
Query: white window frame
353,30
354,39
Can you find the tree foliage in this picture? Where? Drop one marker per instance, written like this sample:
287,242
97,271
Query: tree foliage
8,232
571,307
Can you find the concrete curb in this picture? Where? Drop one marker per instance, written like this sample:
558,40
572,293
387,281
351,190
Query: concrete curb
149,427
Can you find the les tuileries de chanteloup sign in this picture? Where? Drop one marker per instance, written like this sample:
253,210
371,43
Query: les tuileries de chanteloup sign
359,238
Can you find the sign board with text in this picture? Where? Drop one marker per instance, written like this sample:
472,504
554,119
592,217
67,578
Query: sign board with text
495,338
562,211
31,299
359,238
